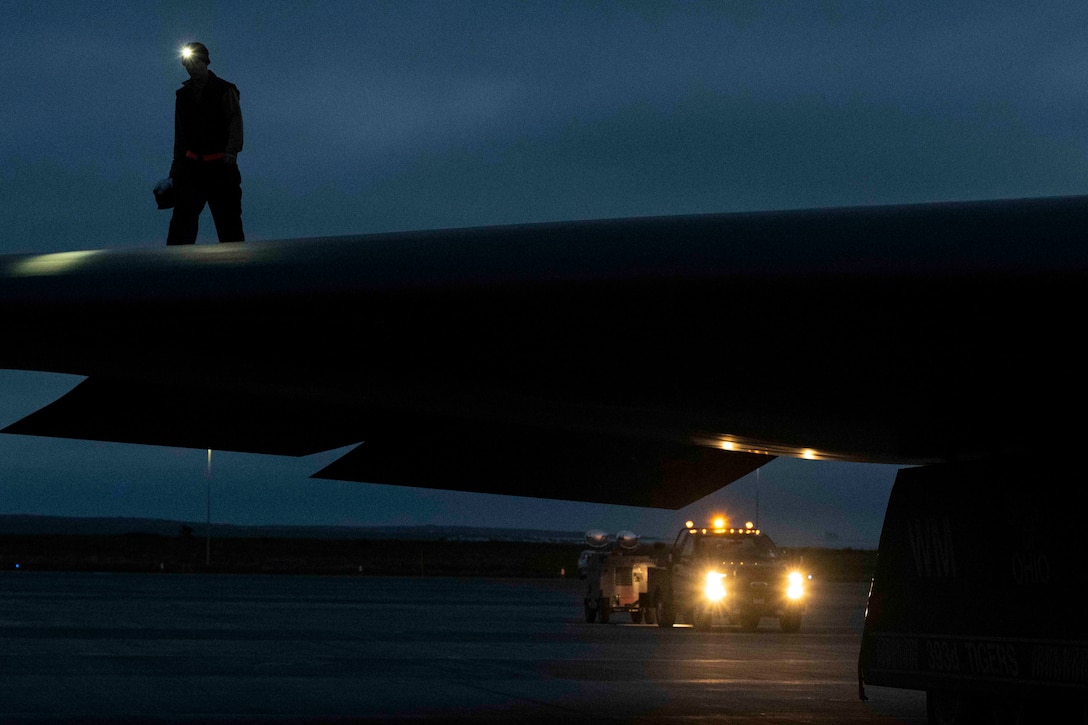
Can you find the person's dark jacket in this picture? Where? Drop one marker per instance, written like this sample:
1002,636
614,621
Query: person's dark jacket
208,120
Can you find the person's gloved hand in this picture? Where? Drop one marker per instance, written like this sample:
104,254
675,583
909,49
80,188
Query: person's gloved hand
164,193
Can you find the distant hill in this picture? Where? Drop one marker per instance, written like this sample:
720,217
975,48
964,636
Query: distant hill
29,525
49,543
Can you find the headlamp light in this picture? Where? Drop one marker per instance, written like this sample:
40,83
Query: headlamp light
186,53
795,589
714,587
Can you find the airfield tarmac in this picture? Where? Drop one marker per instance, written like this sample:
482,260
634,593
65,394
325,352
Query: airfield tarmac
227,648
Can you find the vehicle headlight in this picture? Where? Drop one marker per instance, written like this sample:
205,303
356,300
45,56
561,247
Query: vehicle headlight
714,588
795,589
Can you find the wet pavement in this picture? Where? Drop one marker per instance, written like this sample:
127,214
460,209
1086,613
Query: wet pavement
225,648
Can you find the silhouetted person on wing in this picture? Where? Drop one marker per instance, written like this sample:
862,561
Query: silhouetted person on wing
207,139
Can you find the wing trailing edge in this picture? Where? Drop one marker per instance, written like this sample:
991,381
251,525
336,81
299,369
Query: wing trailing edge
188,417
543,463
417,450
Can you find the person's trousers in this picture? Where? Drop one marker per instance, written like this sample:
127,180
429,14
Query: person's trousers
215,183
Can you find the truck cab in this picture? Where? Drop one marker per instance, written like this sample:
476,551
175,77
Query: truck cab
725,573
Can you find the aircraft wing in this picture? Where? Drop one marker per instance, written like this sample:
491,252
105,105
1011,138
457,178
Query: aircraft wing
637,361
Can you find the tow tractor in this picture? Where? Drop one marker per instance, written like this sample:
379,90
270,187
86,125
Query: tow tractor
720,572
615,578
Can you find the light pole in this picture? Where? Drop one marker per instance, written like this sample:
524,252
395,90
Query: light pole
757,497
208,511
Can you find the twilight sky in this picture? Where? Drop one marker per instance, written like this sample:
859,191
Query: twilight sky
379,116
